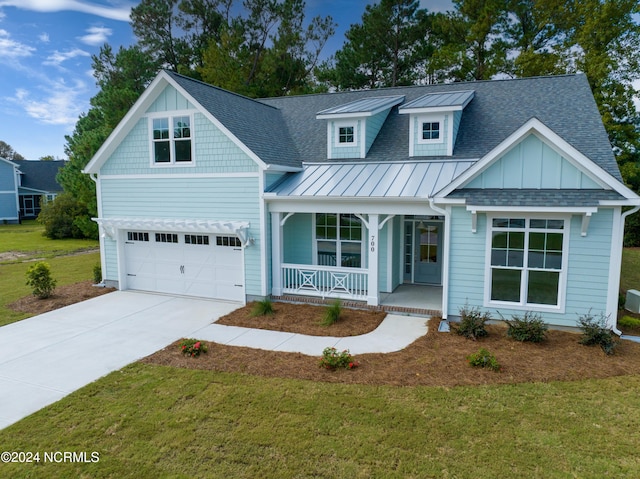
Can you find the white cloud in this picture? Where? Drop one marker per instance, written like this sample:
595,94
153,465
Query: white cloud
44,37
12,49
59,104
57,58
47,6
96,36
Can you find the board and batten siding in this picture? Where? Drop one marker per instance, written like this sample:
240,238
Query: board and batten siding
532,164
219,199
587,270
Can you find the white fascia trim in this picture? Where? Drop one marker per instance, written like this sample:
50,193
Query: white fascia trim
435,109
173,176
393,101
534,209
554,141
361,206
136,112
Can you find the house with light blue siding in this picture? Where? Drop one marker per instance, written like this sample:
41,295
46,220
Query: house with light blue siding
502,195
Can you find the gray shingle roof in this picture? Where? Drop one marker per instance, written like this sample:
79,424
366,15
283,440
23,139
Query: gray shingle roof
259,126
40,175
499,107
529,197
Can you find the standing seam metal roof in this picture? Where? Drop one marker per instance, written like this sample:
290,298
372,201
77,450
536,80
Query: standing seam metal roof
436,100
371,180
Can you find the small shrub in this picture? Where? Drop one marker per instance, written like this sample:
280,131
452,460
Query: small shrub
40,280
595,332
529,327
332,313
332,359
629,322
263,308
97,274
472,323
193,347
484,359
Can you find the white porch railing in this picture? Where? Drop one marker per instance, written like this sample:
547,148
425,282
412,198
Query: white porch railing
325,281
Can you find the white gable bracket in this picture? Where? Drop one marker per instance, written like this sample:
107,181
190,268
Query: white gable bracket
586,218
474,221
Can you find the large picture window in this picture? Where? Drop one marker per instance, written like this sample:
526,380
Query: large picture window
339,240
527,261
171,140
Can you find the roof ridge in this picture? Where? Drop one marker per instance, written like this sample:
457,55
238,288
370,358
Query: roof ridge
209,85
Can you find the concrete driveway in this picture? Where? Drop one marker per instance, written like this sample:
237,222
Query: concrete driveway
46,357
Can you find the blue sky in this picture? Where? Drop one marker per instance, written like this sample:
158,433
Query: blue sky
45,61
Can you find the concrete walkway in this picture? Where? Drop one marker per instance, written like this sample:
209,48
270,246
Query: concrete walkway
395,333
46,357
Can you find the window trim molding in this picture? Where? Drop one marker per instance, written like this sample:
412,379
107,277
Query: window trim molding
336,133
421,119
563,272
171,115
363,246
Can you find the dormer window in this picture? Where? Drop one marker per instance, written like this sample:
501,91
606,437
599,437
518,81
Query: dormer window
434,120
345,135
431,130
171,140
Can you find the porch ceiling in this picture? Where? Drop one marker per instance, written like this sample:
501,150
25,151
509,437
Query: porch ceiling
370,180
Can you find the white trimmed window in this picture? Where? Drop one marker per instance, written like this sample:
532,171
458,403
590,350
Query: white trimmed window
527,262
345,134
339,240
430,129
171,139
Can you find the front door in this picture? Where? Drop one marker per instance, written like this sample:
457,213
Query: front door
427,257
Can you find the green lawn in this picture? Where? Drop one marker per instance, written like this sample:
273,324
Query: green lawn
27,238
630,276
152,421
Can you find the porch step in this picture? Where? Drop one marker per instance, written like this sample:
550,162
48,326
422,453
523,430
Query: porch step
388,308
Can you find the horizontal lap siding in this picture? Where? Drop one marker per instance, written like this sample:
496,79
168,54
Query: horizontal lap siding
111,260
466,267
8,206
231,199
588,279
298,239
587,271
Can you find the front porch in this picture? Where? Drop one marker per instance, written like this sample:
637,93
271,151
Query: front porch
411,299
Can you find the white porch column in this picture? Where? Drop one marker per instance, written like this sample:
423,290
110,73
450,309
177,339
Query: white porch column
372,247
276,254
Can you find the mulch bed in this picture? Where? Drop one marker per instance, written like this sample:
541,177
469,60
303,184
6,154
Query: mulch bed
62,296
437,359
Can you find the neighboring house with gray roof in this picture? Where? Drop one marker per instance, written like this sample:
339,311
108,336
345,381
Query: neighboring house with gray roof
23,186
503,195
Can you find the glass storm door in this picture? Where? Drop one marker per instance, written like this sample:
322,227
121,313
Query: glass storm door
427,258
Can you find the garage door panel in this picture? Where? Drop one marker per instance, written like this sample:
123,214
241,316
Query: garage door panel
194,265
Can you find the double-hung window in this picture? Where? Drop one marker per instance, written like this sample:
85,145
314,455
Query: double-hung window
339,240
526,261
172,140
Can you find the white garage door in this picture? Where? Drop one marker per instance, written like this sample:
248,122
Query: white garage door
204,265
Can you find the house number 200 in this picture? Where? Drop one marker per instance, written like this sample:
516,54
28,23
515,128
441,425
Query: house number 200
373,244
